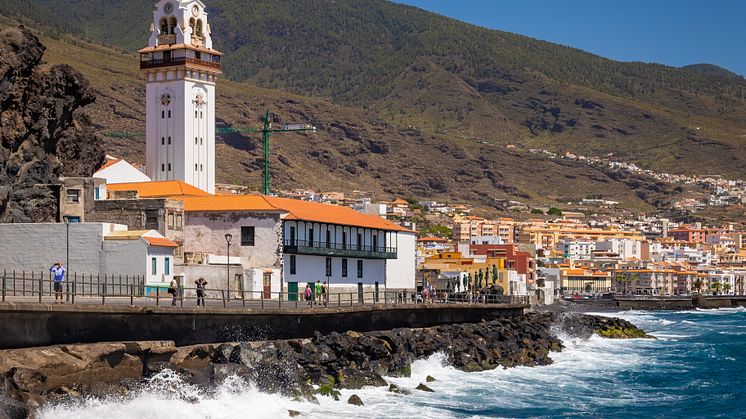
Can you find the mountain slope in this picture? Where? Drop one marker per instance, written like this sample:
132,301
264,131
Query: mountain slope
481,85
352,150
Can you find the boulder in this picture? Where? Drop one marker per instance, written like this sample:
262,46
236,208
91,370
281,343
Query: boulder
423,387
355,400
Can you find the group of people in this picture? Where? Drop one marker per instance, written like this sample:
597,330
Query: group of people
316,293
200,283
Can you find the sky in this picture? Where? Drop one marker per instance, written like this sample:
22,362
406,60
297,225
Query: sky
671,32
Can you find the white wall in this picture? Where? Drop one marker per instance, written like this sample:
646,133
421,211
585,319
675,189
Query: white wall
311,268
121,172
204,232
400,272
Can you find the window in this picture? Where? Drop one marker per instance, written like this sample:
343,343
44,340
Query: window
359,268
200,167
197,55
170,218
328,266
164,26
200,115
344,240
310,237
375,243
151,221
169,140
97,193
73,196
172,24
195,116
195,167
200,141
72,220
163,141
167,266
344,268
169,167
292,236
163,114
292,264
169,114
153,266
247,236
163,167
359,241
179,221
199,27
195,142
328,238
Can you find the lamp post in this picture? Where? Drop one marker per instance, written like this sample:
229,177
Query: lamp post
228,238
67,257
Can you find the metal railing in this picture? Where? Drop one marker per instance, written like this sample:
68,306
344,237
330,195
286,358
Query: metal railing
165,62
338,249
22,286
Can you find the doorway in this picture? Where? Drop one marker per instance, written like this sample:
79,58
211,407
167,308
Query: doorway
360,296
292,291
267,282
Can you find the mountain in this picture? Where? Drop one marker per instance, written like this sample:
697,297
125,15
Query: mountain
712,70
478,84
409,103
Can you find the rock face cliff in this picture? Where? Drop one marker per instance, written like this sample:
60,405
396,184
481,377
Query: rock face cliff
43,134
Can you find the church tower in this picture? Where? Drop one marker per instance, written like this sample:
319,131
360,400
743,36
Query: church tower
180,68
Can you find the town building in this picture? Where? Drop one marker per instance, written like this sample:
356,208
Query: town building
119,171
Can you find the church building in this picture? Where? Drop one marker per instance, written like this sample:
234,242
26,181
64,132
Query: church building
180,68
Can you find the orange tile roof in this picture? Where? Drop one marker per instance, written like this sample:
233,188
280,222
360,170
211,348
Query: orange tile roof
160,242
159,189
332,214
109,163
432,239
227,203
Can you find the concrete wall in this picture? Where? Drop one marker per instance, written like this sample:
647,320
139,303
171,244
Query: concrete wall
400,272
35,247
43,325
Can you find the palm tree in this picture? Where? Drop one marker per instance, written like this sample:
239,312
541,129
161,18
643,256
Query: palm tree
716,286
726,287
494,274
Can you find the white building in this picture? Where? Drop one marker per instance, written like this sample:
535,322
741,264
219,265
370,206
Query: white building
94,249
180,68
119,171
626,249
574,249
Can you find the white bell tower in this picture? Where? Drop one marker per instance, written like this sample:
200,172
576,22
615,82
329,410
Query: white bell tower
180,69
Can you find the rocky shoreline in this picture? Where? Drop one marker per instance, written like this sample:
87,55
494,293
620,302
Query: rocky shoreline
299,368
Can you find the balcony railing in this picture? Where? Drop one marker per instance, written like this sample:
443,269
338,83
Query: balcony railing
304,247
167,62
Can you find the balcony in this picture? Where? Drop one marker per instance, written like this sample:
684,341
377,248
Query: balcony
303,247
167,62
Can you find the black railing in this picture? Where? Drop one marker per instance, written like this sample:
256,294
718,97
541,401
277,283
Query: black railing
166,62
305,247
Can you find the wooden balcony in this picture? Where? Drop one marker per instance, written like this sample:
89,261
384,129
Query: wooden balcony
168,62
303,247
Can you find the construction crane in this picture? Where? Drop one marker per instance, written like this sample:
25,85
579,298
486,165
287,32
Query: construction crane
266,131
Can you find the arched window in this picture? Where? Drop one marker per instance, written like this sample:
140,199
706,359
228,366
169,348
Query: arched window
164,26
199,27
172,25
192,24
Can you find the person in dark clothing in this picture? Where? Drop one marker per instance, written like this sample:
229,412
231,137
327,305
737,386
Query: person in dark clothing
201,283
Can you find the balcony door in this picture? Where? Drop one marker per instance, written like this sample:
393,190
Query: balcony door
267,282
292,236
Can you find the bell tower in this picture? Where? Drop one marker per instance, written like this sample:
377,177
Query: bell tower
180,69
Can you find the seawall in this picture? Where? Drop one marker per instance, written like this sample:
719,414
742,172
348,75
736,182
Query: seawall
680,303
29,324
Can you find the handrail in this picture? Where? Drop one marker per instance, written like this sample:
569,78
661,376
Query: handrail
338,246
165,62
133,291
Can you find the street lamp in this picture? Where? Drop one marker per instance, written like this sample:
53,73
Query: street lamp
67,257
228,238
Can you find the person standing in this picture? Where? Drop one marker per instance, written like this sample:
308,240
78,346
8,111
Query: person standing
200,282
59,277
307,294
324,291
173,290
318,292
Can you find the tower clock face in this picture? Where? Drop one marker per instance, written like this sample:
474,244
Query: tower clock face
169,8
195,10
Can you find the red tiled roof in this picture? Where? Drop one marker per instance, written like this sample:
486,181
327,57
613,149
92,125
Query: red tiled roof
159,189
160,241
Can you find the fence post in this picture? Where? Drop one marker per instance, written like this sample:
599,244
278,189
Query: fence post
280,300
132,294
75,287
41,286
157,296
103,291
4,283
261,296
350,299
223,294
14,283
23,281
339,300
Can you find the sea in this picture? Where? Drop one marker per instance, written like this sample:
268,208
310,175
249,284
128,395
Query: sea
696,368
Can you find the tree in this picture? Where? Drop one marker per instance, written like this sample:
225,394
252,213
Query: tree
726,287
716,287
698,284
555,211
537,211
494,274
